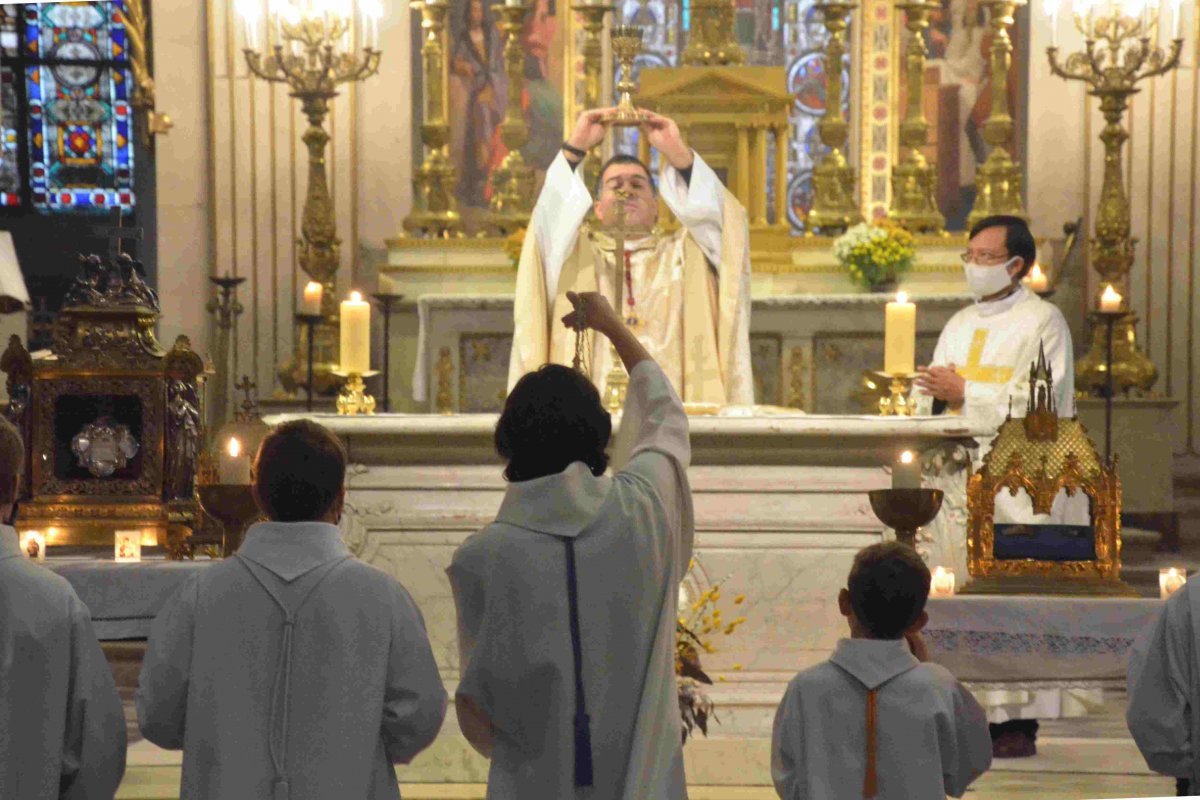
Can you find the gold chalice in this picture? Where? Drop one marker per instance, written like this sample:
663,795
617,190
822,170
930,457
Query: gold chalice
627,45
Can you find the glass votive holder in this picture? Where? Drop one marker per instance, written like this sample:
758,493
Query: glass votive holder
1171,580
942,584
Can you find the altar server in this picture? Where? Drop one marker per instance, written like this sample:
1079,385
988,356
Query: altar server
1164,691
876,720
292,671
566,603
686,293
62,731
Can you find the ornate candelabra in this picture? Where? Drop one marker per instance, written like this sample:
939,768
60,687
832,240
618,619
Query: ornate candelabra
913,202
309,53
512,181
998,179
712,40
834,206
133,17
592,20
435,210
626,45
1118,53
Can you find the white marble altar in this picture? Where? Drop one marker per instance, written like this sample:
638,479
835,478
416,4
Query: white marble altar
781,508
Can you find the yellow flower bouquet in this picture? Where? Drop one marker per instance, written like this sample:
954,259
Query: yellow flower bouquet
513,244
699,622
875,254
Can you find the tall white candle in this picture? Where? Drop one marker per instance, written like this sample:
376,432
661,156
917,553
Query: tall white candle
233,464
311,304
356,335
900,336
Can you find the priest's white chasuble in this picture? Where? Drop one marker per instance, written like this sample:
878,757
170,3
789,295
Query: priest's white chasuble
632,538
686,294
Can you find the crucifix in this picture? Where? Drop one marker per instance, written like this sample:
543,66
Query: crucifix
115,233
249,404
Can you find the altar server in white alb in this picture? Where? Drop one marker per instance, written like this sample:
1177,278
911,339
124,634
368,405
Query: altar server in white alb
875,721
292,671
686,295
62,731
566,603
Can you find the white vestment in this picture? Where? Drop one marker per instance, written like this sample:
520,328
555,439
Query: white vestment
1164,690
62,731
656,296
327,703
932,736
632,535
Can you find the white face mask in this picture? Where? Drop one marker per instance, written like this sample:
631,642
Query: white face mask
986,281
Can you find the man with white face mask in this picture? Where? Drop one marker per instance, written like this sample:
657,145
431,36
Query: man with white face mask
980,369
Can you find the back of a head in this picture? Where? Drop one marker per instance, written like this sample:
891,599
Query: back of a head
552,418
888,586
299,472
12,462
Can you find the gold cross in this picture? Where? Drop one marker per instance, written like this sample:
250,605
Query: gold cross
975,370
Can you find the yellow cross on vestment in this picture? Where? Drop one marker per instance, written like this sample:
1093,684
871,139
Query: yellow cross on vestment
975,370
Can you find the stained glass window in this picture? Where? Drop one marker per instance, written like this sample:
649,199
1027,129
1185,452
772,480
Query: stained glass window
67,87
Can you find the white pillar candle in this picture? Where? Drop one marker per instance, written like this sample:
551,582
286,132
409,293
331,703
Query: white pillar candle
1170,580
311,304
233,464
906,472
356,335
1110,301
942,584
900,336
1036,280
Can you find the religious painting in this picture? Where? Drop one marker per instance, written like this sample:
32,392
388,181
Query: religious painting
956,98
478,88
33,546
127,546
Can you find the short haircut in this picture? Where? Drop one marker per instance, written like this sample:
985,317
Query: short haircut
299,472
12,462
623,158
1018,239
552,418
888,586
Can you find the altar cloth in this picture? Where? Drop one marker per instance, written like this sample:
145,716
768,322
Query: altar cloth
124,598
1022,642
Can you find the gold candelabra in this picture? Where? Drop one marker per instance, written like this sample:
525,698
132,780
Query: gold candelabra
834,205
712,40
512,181
592,21
133,17
1118,54
898,401
913,203
308,55
626,45
435,210
998,179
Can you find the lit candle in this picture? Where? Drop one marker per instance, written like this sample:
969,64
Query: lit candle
1175,4
356,335
1110,301
942,584
1170,581
249,10
900,336
33,545
128,546
1036,280
1052,12
514,2
233,465
906,472
311,304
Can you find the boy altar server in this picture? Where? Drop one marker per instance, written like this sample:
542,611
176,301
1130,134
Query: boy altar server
567,601
292,671
62,731
875,721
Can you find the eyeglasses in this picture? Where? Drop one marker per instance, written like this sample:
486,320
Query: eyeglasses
986,259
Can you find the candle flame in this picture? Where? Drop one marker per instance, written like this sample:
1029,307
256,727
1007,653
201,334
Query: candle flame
906,457
312,287
939,571
356,297
901,297
1110,295
235,447
1036,271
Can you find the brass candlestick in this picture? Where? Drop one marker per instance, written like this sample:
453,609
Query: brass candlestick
512,181
592,20
435,209
834,207
227,308
898,401
712,40
913,202
1118,53
998,179
626,45
310,59
353,399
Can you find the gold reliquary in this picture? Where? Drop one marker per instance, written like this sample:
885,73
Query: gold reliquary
112,423
1044,510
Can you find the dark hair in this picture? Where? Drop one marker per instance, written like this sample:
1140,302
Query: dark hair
623,158
12,461
552,418
1018,240
888,586
299,472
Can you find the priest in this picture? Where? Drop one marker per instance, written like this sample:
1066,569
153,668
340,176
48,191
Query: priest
686,295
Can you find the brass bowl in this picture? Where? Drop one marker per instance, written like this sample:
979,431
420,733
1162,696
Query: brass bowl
906,510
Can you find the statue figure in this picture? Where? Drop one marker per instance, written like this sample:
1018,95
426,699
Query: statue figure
183,440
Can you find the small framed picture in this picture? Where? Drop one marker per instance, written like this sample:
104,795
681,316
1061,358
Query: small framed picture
33,545
128,546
